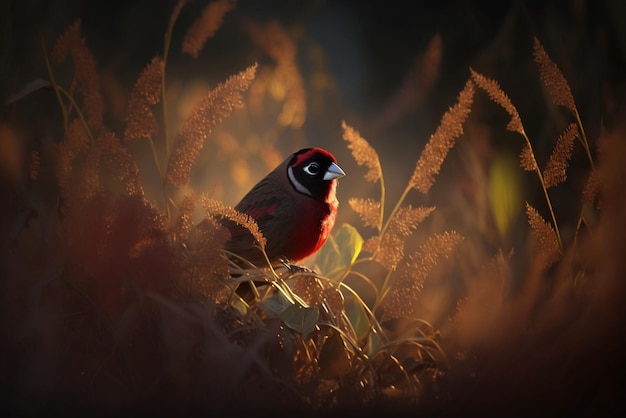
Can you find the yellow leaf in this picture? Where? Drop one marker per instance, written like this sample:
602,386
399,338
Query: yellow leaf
505,192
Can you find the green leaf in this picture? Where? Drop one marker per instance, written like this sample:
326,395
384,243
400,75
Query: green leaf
341,250
357,316
274,305
299,318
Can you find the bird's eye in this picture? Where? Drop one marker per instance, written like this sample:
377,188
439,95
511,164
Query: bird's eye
312,168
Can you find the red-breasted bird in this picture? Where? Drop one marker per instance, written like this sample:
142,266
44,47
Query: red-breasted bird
295,207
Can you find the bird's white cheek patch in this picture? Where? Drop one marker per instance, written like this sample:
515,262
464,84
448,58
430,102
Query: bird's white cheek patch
298,186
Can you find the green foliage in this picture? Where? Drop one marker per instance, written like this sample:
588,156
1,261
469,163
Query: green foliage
340,251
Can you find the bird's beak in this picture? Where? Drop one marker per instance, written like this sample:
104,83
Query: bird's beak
333,172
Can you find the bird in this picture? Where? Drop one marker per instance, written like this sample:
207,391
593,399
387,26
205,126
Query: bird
295,207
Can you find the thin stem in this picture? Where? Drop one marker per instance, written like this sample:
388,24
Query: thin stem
55,86
73,103
545,193
382,202
395,208
155,156
583,138
166,50
384,290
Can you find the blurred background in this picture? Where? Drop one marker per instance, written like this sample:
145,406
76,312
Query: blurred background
387,70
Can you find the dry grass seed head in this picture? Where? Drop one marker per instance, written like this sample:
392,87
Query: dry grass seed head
553,79
140,121
527,159
214,207
368,210
545,235
206,25
71,43
204,262
363,152
121,162
184,222
411,274
206,115
440,142
555,172
408,218
498,96
592,187
388,250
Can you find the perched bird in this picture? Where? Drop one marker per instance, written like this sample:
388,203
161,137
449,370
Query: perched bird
295,207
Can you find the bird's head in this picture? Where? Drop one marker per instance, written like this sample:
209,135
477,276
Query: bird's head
313,172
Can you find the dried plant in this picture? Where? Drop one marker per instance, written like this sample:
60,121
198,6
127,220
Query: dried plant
368,210
72,44
527,159
545,234
527,155
216,208
413,272
559,90
140,121
208,113
553,79
555,171
206,25
496,94
363,153
436,150
387,246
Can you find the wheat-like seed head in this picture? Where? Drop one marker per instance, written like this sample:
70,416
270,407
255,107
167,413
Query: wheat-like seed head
71,43
408,218
120,161
496,94
206,25
207,114
184,222
527,159
215,207
555,172
411,274
553,79
440,143
545,235
388,250
140,121
363,152
368,210
205,265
